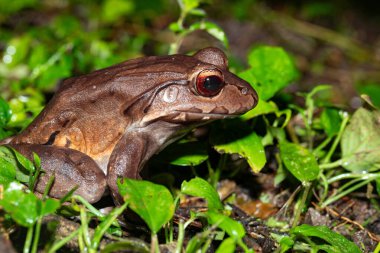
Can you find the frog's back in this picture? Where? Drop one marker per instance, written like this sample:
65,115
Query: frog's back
87,112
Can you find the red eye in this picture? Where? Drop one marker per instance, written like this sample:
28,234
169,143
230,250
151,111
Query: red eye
209,82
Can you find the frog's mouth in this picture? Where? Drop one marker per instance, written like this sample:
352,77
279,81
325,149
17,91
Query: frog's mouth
186,116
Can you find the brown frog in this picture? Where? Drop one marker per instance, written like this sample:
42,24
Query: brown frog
107,124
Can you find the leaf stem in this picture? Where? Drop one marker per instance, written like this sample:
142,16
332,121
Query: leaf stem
28,240
56,246
305,193
154,244
37,235
346,117
338,196
322,145
332,165
362,176
181,236
102,227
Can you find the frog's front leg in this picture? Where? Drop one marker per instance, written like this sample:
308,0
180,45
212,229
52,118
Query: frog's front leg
70,168
126,161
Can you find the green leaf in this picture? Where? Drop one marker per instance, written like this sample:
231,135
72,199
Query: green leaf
7,171
285,242
152,202
189,5
236,137
24,207
5,113
9,166
227,246
372,90
232,227
115,9
25,162
201,188
335,242
330,121
299,161
190,153
271,69
360,142
264,107
17,50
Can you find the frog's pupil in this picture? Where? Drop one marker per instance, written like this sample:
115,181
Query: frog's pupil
212,83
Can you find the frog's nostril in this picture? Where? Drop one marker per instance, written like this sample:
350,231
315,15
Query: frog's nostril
244,91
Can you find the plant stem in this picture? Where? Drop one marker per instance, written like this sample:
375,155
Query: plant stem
28,240
305,193
154,244
36,235
340,195
181,236
325,187
90,207
56,246
322,145
84,221
332,165
102,227
337,139
362,176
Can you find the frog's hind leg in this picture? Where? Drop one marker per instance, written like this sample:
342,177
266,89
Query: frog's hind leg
70,168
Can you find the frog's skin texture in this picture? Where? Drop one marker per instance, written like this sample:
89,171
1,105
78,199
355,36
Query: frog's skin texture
107,124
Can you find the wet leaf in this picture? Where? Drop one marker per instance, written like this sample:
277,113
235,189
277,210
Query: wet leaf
299,161
236,137
232,227
152,202
201,188
360,142
24,207
334,242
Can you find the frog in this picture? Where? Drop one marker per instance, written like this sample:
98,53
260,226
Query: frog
106,125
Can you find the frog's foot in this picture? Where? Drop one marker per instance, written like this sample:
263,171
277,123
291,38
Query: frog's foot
70,168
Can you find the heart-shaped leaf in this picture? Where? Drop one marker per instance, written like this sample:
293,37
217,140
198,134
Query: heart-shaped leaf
299,161
201,188
152,202
360,142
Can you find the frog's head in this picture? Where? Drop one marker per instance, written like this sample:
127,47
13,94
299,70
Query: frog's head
198,89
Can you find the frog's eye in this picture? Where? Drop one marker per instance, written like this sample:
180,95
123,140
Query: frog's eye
209,82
